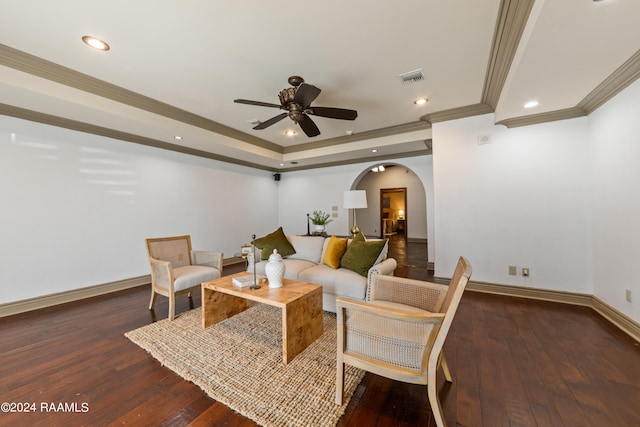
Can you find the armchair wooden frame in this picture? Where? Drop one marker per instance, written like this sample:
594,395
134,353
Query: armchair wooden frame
400,330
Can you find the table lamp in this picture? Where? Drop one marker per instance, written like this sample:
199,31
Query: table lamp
355,199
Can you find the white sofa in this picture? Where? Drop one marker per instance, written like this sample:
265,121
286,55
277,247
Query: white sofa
306,265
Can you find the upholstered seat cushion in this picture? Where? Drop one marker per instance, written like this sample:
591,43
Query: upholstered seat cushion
293,267
189,276
341,282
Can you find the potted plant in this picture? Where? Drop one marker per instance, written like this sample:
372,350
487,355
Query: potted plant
320,220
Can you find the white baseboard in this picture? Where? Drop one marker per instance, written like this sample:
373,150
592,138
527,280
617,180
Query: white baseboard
37,303
619,319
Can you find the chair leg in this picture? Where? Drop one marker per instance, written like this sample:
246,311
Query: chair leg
153,299
172,306
445,369
339,381
436,409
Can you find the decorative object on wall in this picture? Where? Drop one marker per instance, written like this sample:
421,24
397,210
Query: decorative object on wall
355,199
274,270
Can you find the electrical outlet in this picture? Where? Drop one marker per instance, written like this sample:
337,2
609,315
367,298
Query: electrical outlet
628,295
525,271
513,270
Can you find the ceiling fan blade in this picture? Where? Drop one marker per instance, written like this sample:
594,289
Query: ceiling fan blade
271,121
305,94
308,126
259,103
333,113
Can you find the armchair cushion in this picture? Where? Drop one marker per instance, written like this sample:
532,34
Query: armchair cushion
276,240
361,255
189,276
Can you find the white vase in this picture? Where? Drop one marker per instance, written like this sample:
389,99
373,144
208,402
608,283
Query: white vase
320,228
275,270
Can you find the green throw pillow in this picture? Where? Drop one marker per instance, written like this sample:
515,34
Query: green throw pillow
360,255
276,240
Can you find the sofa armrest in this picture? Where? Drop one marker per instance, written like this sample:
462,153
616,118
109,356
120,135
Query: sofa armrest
208,258
386,267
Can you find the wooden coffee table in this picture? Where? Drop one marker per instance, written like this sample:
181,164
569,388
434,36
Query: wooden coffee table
300,302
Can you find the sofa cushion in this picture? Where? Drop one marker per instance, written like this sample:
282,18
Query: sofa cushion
292,267
307,247
361,256
340,282
334,251
276,240
189,276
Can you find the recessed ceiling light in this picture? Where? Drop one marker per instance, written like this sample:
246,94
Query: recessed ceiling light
281,164
531,104
95,43
290,132
375,150
178,137
421,101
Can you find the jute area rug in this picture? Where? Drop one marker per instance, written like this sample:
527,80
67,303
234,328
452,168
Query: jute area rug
238,362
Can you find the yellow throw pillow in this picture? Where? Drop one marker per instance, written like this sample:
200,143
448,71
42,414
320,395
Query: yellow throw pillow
336,247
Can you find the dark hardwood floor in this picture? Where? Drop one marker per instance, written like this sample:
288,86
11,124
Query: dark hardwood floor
515,362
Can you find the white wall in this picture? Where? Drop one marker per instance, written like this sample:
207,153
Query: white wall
615,132
76,208
522,200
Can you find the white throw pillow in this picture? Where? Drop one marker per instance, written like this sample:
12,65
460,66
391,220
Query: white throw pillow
307,247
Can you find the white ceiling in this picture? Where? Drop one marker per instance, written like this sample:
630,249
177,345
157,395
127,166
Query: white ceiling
175,67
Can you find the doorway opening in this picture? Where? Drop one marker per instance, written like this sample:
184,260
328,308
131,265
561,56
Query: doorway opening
393,211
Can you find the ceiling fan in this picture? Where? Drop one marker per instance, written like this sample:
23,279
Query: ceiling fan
297,101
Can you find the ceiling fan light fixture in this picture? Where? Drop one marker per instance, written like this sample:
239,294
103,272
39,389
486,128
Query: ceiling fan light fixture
290,132
95,43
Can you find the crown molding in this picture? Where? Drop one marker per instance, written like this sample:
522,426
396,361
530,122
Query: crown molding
626,74
48,119
550,116
30,64
427,151
457,113
512,20
376,133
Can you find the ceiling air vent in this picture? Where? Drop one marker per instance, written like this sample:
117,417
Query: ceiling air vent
412,76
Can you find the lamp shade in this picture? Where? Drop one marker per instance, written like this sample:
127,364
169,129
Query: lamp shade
356,199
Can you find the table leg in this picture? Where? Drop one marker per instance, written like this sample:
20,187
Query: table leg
217,306
302,324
